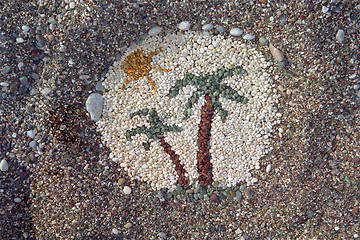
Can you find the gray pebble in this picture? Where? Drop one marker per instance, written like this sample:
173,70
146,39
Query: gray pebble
282,64
99,87
221,29
340,36
4,166
6,69
94,105
23,79
162,235
35,76
33,144
207,27
263,41
31,134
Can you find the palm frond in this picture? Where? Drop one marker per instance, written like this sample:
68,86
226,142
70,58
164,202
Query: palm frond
231,94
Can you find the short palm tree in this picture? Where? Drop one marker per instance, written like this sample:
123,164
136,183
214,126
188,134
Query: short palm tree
209,86
156,132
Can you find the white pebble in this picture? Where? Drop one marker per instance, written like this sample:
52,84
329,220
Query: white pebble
268,168
340,36
263,41
248,37
236,32
127,190
325,9
94,105
4,166
19,40
115,231
72,5
207,27
25,28
184,25
276,53
17,200
30,134
33,144
155,31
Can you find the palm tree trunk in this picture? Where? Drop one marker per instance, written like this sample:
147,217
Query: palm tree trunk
204,164
183,180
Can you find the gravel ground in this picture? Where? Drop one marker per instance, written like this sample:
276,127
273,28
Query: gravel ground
68,188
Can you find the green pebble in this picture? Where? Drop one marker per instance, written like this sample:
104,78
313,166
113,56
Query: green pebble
242,187
228,195
189,191
206,197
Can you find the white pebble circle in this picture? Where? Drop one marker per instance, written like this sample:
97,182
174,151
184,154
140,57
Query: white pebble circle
145,78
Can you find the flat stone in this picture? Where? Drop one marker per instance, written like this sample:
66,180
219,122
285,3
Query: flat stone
221,29
162,235
30,134
248,37
155,31
17,200
35,76
207,27
33,144
236,32
340,35
94,105
276,53
128,225
4,166
214,198
115,231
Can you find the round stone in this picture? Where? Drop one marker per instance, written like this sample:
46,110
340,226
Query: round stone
6,69
128,225
236,32
263,41
115,231
184,25
33,144
4,166
72,5
17,200
25,28
127,190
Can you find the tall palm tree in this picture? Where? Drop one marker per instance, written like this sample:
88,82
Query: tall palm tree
156,132
209,86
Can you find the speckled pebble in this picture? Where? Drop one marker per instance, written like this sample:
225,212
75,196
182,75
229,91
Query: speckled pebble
128,225
33,144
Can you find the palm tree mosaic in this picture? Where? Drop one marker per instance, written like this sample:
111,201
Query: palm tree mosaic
211,87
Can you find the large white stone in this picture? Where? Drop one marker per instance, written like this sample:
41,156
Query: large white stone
94,105
276,53
4,166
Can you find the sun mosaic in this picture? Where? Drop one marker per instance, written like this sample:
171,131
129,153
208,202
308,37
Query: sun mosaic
187,108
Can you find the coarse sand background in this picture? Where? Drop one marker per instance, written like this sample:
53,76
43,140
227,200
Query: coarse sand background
61,184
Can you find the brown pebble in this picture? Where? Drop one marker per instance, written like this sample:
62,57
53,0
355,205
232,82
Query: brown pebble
339,188
214,198
354,211
232,193
121,181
